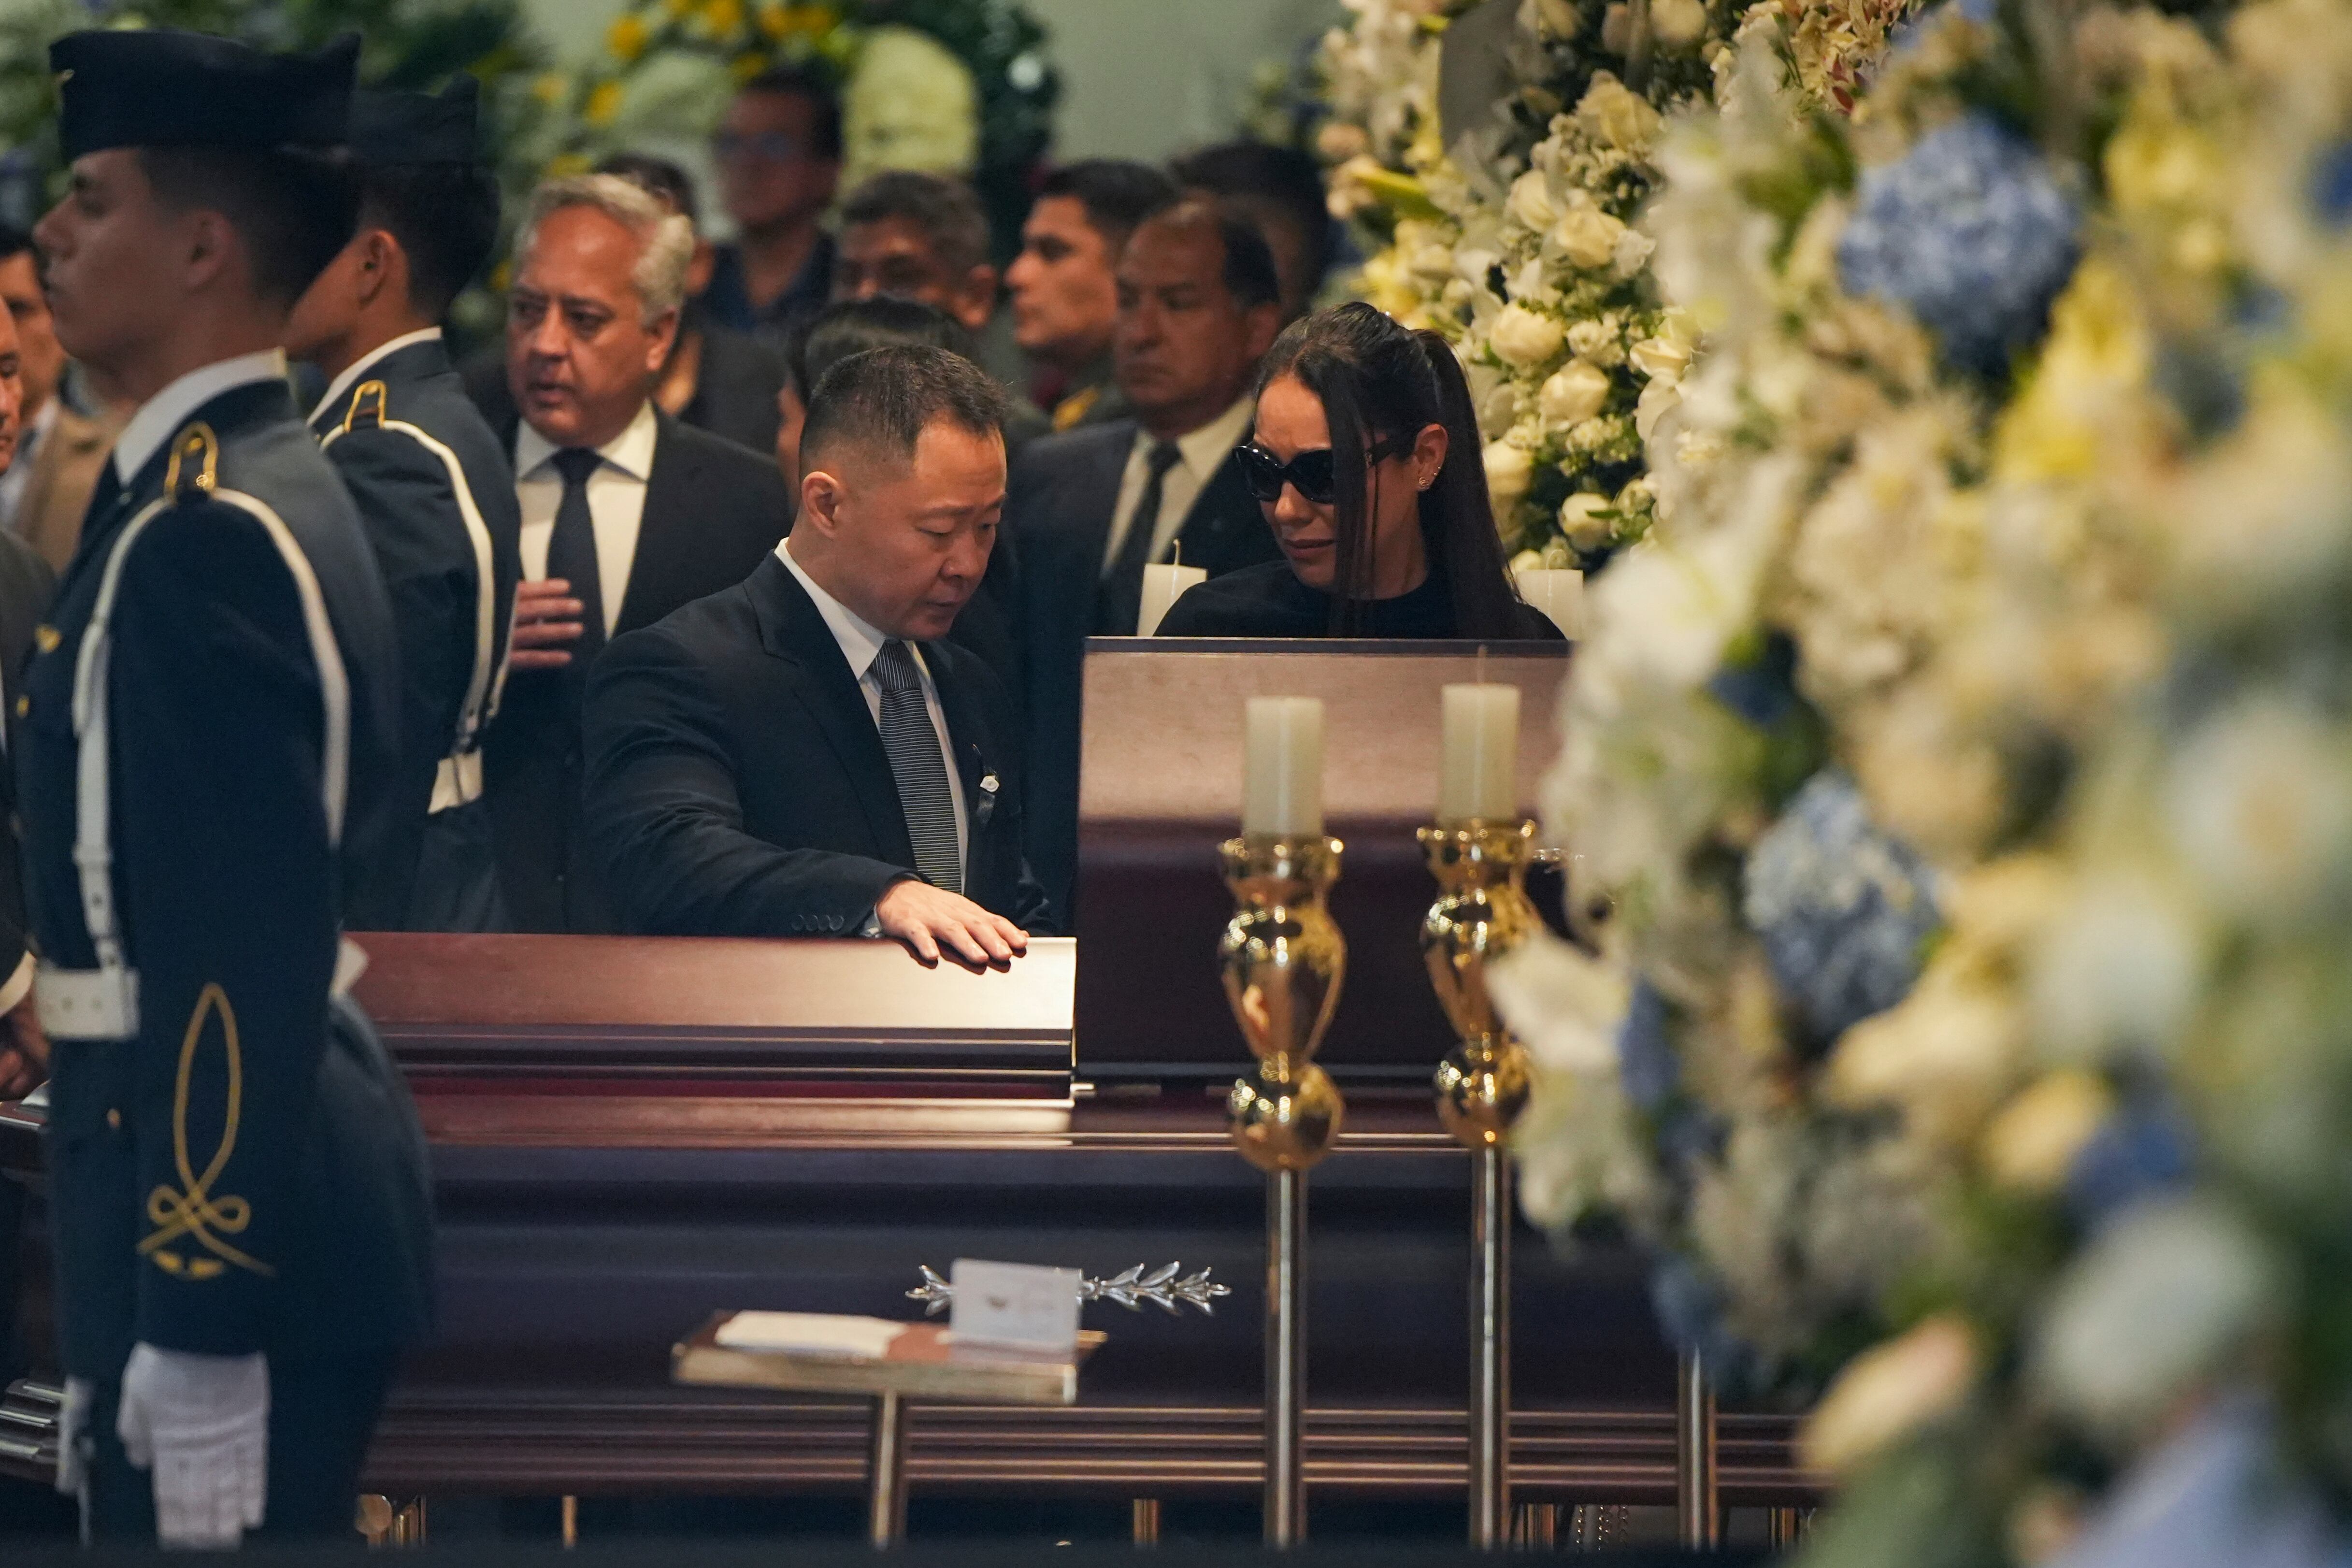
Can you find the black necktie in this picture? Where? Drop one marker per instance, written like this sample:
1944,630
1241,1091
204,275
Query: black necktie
572,550
1120,605
919,767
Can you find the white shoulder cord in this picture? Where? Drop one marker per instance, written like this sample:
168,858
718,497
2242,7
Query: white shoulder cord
460,778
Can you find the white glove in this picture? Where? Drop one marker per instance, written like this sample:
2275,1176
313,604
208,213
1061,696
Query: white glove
73,1427
202,1424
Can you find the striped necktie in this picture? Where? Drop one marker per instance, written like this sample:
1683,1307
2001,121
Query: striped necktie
920,766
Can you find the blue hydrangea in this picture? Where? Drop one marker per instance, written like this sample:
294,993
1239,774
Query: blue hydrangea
1690,1314
1844,912
2145,1150
1972,234
1984,13
2331,185
1645,1060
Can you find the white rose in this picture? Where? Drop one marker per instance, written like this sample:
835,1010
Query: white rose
1677,24
1658,398
1557,18
1661,359
1587,236
1524,338
1622,118
1889,1392
1574,393
1508,470
1580,520
1531,201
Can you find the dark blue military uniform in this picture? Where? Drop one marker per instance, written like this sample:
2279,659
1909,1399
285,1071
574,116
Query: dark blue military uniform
436,496
235,1164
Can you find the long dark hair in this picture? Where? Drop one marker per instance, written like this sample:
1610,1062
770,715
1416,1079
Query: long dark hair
1379,383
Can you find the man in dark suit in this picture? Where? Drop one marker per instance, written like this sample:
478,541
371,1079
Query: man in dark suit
1064,288
804,754
236,1176
432,485
626,513
26,585
1088,509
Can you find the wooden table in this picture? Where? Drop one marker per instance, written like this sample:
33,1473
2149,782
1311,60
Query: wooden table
922,1363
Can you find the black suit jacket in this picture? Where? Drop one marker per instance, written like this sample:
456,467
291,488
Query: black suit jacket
736,784
1058,510
712,511
408,503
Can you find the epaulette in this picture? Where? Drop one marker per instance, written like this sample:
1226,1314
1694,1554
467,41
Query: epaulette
193,472
1072,410
366,412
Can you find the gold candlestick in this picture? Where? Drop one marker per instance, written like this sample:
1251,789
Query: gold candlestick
1284,960
1482,912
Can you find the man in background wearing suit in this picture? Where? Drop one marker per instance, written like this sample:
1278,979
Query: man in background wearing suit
26,585
60,450
1088,509
432,485
626,513
1064,288
804,754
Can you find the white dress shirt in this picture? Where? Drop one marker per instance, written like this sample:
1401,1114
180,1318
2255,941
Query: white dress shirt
861,643
160,417
360,366
617,502
1204,450
19,477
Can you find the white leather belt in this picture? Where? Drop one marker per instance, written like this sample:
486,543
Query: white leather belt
103,1003
458,783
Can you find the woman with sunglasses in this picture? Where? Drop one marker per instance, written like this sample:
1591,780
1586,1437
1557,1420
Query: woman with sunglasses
1400,543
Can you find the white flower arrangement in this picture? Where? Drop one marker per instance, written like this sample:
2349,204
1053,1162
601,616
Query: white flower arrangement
1529,252
2004,518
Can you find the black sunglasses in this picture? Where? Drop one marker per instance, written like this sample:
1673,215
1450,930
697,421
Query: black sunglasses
1311,473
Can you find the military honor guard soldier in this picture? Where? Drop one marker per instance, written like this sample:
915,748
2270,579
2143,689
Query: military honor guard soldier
433,484
237,1173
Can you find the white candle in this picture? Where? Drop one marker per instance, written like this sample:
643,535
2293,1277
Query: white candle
1558,594
1480,774
1163,586
1282,778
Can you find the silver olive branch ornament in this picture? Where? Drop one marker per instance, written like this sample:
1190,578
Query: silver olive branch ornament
1132,1289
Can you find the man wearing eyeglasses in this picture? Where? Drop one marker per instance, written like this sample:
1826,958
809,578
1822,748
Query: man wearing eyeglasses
777,151
1199,305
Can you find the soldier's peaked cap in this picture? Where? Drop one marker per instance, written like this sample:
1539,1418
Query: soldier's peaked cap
396,127
158,86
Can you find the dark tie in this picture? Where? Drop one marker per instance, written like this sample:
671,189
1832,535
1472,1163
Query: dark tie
1120,605
572,550
919,767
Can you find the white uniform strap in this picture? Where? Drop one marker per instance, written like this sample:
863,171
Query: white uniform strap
461,772
93,847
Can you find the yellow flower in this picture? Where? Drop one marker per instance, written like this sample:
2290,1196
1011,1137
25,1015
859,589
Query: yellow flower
604,103
723,17
748,66
627,37
552,89
563,165
2069,422
2032,1144
679,10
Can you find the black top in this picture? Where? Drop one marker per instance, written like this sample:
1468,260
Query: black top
1269,601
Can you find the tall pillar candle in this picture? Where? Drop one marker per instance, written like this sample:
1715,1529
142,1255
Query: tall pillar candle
1282,776
1163,586
1479,777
